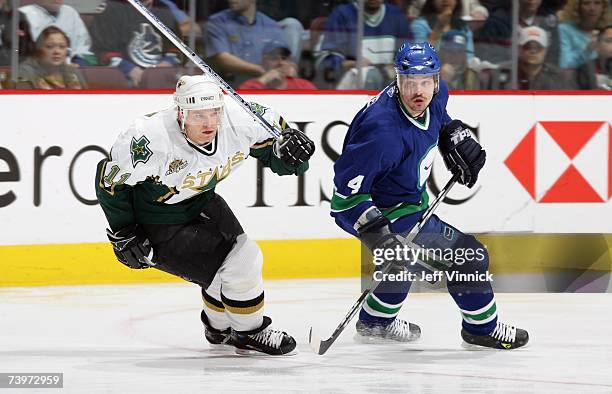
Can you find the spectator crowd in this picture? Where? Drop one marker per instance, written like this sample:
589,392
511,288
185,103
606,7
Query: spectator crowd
319,44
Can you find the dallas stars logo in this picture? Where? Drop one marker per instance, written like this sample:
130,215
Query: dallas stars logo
258,108
140,150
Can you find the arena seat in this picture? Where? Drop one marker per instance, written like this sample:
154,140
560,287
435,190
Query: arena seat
104,78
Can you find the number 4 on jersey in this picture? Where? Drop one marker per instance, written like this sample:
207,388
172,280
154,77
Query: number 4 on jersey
355,183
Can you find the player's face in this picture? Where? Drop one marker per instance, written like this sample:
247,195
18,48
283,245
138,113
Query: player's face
201,125
54,50
416,92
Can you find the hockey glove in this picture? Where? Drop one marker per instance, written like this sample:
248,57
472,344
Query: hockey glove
294,147
131,247
375,233
461,153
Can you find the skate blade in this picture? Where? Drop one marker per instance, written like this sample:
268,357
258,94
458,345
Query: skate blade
374,340
220,347
255,353
480,348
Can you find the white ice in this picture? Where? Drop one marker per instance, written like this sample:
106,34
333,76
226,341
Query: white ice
148,339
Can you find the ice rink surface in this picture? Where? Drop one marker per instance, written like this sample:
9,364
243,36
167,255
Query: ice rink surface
148,339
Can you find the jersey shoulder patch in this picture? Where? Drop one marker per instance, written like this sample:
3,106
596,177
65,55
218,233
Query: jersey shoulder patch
139,150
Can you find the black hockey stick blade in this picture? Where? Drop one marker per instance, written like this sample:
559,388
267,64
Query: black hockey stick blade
317,345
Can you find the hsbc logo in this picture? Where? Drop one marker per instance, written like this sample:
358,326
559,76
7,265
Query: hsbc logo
565,162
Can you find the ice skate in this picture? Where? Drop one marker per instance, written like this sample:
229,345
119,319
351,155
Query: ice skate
504,336
397,331
264,340
216,338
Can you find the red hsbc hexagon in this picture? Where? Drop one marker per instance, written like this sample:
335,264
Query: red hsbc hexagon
565,162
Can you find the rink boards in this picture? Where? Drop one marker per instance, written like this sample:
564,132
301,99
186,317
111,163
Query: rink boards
548,171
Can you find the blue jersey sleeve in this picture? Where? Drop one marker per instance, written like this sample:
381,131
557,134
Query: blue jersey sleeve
369,153
441,101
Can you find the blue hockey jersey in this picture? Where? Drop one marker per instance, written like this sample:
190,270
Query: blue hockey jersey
386,159
340,36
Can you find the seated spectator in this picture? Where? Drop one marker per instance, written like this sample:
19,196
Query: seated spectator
289,14
386,28
453,57
184,23
280,73
234,40
578,31
439,17
123,38
597,73
497,30
48,69
44,13
25,46
472,10
533,72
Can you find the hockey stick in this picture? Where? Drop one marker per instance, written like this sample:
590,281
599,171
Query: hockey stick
206,69
320,346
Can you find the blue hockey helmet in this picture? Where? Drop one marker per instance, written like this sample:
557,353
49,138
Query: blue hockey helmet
418,59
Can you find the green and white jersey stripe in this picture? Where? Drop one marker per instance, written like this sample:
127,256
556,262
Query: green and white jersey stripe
341,203
375,307
482,315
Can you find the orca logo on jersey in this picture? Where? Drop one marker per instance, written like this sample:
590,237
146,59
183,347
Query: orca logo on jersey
140,151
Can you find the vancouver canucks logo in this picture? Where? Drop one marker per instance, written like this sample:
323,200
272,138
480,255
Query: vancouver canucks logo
140,150
176,166
145,48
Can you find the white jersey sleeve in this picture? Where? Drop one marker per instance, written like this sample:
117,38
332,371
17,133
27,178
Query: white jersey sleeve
136,155
260,134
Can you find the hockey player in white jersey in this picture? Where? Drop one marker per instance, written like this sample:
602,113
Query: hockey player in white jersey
157,190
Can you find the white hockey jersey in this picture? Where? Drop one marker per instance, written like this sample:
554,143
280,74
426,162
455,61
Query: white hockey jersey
155,175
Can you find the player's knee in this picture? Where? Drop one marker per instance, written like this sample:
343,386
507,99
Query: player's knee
241,270
475,256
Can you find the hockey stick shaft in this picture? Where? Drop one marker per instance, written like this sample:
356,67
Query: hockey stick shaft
206,69
324,345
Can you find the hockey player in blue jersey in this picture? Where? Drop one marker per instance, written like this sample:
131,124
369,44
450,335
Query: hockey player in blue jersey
380,194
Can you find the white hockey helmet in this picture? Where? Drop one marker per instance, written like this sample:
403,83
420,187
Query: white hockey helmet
197,92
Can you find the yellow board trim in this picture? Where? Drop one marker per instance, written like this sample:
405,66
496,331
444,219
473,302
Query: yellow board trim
76,264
